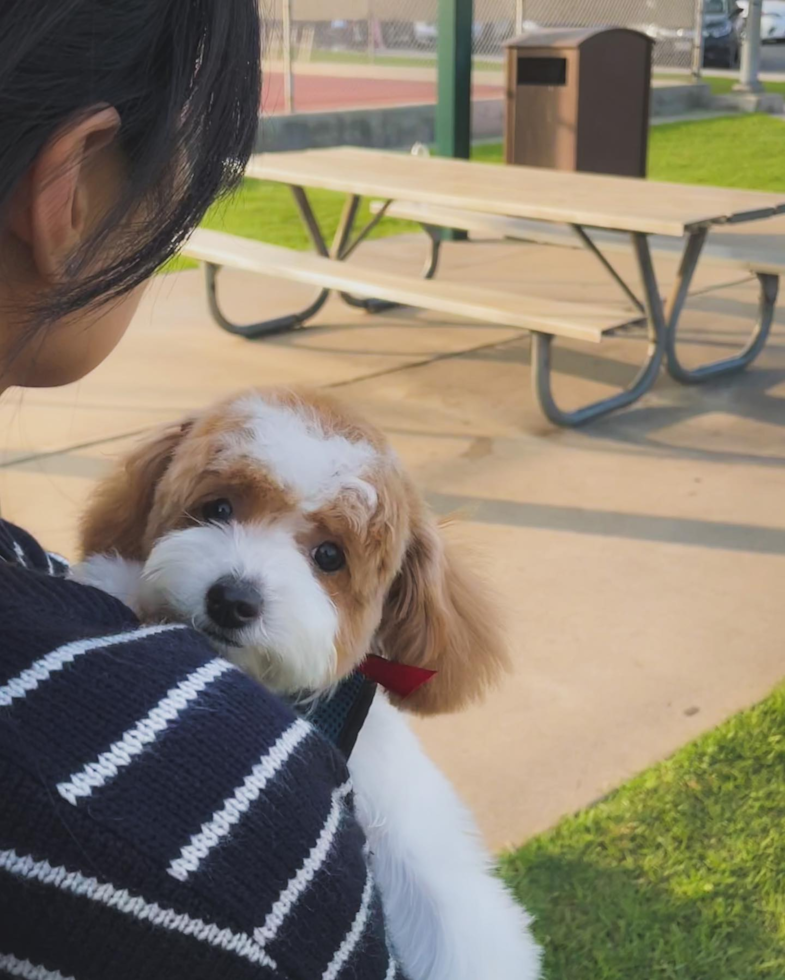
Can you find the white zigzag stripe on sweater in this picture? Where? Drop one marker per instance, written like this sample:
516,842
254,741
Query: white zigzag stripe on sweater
95,774
41,670
28,970
192,854
354,935
135,906
64,562
310,868
392,969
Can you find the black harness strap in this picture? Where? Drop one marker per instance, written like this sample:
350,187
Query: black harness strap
341,716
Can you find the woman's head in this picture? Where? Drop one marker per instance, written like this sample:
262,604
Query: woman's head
119,124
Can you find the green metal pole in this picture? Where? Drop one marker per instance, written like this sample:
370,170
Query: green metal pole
453,118
454,110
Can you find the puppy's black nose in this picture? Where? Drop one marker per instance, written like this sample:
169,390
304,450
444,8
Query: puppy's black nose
233,603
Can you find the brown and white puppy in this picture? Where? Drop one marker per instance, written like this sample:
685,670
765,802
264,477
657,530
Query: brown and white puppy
283,527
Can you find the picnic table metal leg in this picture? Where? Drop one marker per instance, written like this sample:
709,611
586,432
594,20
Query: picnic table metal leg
343,248
281,324
769,288
542,345
263,328
592,246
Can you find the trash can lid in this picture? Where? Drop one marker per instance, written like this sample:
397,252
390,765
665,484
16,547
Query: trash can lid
566,37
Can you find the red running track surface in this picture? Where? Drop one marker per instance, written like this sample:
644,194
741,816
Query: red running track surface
313,93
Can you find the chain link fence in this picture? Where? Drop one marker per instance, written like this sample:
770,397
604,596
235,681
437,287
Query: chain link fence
404,32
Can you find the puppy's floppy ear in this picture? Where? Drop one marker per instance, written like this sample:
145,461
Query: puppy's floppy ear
119,510
438,615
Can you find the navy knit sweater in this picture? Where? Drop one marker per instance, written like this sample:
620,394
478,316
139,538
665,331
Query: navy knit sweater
161,815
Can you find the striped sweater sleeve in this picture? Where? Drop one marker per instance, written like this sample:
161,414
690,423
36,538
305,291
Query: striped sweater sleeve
162,816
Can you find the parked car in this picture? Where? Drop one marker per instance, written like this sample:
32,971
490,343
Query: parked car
722,33
772,26
398,34
772,22
426,34
339,33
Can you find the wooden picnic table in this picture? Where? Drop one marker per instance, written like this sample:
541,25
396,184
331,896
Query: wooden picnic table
592,200
583,202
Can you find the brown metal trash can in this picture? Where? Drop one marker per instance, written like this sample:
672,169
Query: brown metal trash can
578,99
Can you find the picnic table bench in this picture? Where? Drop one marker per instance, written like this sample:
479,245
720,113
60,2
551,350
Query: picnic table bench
765,259
573,320
438,192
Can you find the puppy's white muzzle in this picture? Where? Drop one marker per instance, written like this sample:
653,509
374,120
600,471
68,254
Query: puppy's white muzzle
254,593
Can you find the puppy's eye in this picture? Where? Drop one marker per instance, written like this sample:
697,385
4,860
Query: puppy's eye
218,511
329,557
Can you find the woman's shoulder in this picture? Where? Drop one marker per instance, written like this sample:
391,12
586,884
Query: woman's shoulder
69,650
75,652
19,547
45,615
143,769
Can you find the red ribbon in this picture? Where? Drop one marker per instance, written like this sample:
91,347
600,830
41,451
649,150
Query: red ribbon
401,680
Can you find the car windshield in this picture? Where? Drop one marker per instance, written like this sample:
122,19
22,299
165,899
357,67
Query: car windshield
715,7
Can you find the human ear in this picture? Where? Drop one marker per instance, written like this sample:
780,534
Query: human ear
55,206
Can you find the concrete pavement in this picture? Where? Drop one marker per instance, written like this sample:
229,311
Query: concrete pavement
640,561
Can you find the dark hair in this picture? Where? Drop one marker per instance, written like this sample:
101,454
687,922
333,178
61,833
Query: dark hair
184,75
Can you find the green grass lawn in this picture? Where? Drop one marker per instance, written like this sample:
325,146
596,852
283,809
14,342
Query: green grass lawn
267,212
746,151
723,84
426,60
679,875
